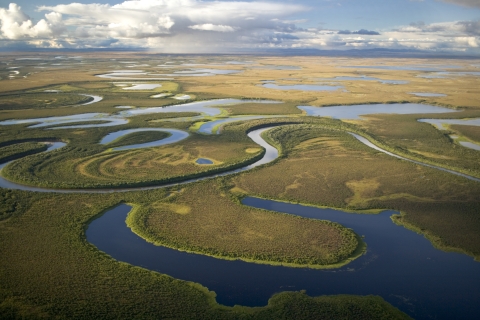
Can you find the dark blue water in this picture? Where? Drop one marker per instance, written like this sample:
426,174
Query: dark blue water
203,161
400,265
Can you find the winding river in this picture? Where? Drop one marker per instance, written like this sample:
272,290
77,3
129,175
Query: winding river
401,266
270,154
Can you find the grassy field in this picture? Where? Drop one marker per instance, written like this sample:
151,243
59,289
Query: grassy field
138,138
20,150
202,218
470,132
88,165
40,100
423,140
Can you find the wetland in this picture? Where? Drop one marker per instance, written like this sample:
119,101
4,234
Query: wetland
114,205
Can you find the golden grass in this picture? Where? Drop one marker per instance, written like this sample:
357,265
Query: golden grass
203,219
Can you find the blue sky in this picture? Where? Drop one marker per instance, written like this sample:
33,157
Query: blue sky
195,26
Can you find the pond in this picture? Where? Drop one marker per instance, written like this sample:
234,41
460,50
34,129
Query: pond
354,112
143,86
203,161
364,78
428,94
401,266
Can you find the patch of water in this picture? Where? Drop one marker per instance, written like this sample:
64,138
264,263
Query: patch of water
203,161
161,95
355,111
439,123
143,86
428,94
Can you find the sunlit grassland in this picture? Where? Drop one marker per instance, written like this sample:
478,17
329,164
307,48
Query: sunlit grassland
202,218
84,164
460,90
331,168
49,270
263,109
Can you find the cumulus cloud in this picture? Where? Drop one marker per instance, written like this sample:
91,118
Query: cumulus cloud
212,27
15,24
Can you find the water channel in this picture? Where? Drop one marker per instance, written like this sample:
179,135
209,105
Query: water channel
401,266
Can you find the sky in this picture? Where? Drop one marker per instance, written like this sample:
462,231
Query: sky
222,26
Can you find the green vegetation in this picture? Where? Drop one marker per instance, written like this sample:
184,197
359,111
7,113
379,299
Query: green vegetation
39,100
471,132
82,165
139,137
20,150
86,283
422,141
232,231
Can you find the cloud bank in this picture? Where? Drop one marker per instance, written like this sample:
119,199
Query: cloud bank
195,26
468,3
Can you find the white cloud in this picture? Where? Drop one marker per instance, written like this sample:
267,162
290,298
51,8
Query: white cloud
212,27
15,24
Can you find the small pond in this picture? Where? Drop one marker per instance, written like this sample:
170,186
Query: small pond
428,94
364,78
161,95
143,86
203,161
355,111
